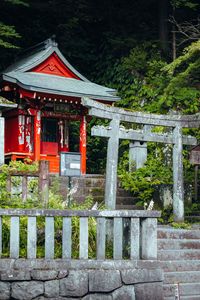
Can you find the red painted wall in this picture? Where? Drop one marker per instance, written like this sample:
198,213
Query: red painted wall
11,134
54,66
49,148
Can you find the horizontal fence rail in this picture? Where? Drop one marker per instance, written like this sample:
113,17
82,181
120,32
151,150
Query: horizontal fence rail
82,234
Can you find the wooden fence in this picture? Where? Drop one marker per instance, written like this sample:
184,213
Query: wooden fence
43,181
143,232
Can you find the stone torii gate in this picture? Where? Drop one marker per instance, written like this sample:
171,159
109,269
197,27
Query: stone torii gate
114,132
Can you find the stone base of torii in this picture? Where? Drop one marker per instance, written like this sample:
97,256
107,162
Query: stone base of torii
138,139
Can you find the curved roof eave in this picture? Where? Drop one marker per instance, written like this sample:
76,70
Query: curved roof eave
109,98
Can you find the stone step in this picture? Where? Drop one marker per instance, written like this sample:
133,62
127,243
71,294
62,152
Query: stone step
126,200
191,297
99,191
123,193
186,290
129,207
88,181
81,199
92,181
100,199
178,244
178,254
180,265
192,219
182,277
171,233
195,213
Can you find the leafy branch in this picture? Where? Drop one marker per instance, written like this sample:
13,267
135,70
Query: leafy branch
190,31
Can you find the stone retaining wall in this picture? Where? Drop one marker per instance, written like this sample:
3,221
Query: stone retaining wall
78,279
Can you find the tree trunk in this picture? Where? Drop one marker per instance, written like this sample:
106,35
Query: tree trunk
163,25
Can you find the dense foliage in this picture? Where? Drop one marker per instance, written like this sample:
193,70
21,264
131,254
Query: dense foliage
128,45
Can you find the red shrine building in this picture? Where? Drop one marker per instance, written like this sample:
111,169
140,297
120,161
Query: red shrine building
47,91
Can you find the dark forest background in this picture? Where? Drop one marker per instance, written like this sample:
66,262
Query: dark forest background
148,50
93,34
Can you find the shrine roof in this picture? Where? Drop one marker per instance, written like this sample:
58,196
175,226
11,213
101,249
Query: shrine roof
25,74
58,85
6,104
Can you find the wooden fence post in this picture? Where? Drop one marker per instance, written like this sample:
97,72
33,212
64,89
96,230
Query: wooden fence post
8,184
43,184
24,188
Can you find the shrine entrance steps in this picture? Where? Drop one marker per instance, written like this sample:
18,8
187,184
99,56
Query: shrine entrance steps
193,217
94,186
179,253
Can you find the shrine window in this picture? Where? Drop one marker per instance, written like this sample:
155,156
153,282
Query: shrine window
49,130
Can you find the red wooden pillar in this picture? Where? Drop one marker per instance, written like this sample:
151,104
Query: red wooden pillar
66,136
37,132
21,133
63,136
28,139
83,137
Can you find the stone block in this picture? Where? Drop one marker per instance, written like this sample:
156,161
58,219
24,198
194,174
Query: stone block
51,288
63,274
104,280
125,293
99,296
75,284
13,275
44,274
55,298
37,264
26,290
141,275
149,291
6,264
4,290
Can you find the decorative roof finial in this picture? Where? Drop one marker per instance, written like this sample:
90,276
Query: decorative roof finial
51,41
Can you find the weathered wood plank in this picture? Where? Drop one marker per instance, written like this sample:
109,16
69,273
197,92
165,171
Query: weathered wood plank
135,238
43,183
101,238
81,213
32,238
149,238
83,244
66,238
24,188
8,184
49,237
23,173
140,135
14,237
117,238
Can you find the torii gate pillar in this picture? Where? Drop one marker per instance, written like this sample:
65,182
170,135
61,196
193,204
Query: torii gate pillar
178,187
111,166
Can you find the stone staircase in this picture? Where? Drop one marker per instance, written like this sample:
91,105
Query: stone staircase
179,253
193,217
95,186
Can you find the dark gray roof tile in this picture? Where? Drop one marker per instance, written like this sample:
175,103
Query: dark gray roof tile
59,85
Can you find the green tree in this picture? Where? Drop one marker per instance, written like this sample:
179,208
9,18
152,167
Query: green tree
8,32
